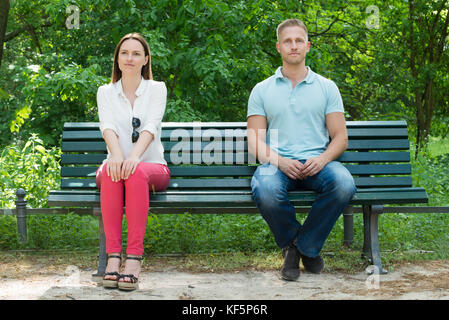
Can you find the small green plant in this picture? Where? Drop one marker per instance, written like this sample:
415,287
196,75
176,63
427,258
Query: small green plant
31,167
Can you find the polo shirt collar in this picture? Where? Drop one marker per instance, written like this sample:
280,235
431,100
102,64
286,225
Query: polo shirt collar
309,78
140,89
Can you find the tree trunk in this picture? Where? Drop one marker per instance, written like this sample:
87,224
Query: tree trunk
4,10
424,112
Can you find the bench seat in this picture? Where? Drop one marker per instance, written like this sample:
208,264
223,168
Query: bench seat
238,198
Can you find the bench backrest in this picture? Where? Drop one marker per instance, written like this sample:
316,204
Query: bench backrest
378,155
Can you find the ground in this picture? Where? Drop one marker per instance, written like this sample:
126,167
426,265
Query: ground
54,277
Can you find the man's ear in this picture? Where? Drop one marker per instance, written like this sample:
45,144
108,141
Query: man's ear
277,47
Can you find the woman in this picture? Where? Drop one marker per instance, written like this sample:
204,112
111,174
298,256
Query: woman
130,109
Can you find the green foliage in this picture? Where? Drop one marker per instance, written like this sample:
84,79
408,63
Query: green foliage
210,54
432,173
29,166
67,95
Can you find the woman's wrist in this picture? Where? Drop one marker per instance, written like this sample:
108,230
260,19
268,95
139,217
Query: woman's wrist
133,157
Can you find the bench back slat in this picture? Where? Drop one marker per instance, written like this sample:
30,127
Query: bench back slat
240,133
239,171
238,146
348,156
228,183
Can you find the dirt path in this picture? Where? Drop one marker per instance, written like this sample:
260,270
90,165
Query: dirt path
421,280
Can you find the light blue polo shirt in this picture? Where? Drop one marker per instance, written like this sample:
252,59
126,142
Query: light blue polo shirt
298,114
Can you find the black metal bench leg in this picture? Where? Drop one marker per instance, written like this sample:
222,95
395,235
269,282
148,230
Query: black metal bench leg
371,239
348,226
102,256
21,215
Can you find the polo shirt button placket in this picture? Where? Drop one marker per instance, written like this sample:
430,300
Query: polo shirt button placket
291,90
292,96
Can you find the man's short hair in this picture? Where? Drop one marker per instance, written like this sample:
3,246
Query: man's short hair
290,23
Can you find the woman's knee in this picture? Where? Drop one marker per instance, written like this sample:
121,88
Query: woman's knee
137,180
102,175
139,172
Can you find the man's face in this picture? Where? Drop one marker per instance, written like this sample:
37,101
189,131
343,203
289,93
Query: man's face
293,45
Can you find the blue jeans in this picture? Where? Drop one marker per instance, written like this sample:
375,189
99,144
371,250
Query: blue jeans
335,188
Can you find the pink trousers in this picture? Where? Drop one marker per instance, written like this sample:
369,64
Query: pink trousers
134,193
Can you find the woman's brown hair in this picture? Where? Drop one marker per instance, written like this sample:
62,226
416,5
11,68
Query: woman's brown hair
146,69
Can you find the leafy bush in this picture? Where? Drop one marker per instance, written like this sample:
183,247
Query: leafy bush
56,97
31,167
432,173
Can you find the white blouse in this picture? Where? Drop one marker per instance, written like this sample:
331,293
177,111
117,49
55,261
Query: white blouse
115,112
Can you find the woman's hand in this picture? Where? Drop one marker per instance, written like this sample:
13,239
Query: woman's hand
114,166
129,166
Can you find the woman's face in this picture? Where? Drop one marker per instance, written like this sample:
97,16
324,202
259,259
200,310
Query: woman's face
131,57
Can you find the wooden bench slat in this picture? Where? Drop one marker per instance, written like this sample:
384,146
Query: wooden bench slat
180,184
230,192
78,183
239,146
367,182
240,199
174,183
393,144
240,133
350,124
360,182
241,171
375,156
97,158
83,146
67,159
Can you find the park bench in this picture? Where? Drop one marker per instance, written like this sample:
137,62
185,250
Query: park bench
211,173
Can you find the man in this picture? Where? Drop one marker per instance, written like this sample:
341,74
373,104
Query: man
301,109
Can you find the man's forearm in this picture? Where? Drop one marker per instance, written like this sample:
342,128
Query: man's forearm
260,150
335,148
